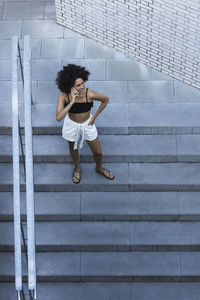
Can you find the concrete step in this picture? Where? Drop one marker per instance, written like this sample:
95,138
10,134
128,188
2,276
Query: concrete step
109,266
110,206
128,177
109,290
109,236
115,148
168,118
120,290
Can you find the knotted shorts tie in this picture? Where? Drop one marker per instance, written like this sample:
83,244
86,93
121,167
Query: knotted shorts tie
72,131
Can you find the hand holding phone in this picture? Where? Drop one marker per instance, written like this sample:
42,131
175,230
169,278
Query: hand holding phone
74,93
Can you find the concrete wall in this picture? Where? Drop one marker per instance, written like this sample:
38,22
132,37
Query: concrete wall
161,34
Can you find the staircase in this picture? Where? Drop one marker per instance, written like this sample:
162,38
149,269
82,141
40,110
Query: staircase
133,238
124,239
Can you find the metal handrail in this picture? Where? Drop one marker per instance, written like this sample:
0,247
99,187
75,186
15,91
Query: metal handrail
17,138
16,171
29,168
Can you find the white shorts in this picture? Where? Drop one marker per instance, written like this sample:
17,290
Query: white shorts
71,131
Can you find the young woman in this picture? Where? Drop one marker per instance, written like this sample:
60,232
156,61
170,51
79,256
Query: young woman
74,104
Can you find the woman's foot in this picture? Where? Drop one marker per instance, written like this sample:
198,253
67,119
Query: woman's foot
76,177
108,174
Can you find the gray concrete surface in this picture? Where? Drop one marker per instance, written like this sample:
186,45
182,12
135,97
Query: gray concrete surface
110,236
128,177
116,290
109,206
153,120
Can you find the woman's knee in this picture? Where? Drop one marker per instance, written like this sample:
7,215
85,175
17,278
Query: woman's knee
98,154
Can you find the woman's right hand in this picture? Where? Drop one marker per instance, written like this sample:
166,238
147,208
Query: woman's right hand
74,94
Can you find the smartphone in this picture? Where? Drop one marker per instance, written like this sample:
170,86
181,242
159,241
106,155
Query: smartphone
74,90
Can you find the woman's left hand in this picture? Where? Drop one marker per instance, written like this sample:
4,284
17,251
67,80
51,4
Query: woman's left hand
91,121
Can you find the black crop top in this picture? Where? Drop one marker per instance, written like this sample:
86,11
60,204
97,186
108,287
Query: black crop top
80,107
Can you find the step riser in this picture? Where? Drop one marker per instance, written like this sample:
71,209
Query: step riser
108,188
114,130
111,159
107,278
107,248
111,218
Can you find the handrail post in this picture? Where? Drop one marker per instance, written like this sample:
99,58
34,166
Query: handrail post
29,168
16,170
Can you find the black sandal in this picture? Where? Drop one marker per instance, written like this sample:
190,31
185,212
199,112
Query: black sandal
73,176
103,173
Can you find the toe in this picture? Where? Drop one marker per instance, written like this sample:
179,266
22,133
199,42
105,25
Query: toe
74,179
76,176
111,176
108,174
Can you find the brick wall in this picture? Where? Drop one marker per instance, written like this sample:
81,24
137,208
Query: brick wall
163,34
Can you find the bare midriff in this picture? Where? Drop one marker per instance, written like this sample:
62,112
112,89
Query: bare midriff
79,118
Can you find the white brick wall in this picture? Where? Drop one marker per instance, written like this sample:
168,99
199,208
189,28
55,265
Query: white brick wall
163,34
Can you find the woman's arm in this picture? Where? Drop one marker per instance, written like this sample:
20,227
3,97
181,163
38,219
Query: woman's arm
61,111
99,97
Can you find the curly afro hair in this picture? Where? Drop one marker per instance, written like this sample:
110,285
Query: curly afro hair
66,77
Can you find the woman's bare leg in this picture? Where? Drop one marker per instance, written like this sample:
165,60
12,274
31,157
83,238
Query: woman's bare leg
75,157
97,153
